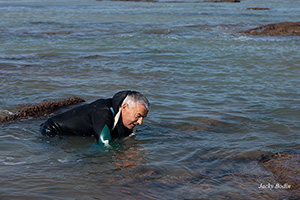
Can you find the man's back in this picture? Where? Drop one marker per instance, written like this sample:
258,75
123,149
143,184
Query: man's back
87,119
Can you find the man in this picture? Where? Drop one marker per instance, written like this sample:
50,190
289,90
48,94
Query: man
106,119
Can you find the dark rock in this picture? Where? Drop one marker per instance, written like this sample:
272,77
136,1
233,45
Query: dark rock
175,1
138,0
41,109
284,28
171,1
59,33
220,1
159,31
51,33
199,124
258,8
134,176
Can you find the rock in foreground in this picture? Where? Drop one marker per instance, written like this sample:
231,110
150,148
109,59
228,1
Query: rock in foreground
285,168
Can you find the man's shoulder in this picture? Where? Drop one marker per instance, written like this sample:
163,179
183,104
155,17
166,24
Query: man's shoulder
102,102
101,108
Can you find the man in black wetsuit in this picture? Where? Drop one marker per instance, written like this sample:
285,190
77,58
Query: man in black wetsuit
106,119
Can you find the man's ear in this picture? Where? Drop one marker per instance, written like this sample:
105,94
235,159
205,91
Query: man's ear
124,106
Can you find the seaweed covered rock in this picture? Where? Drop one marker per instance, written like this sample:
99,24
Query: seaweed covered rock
41,109
284,28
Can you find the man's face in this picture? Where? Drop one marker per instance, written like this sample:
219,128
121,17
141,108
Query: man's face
134,115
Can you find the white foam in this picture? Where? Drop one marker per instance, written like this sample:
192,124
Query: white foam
63,160
6,112
14,163
11,161
10,136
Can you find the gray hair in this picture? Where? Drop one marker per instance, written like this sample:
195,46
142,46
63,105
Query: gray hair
134,98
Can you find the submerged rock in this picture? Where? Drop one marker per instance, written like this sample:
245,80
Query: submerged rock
135,176
258,8
59,33
285,168
217,1
41,109
198,124
171,1
159,31
137,0
284,28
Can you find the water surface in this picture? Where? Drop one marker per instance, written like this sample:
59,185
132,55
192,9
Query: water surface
219,99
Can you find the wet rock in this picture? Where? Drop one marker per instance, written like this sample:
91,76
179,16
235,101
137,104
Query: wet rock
199,124
285,168
41,109
59,33
135,176
138,0
159,31
156,1
219,1
50,33
176,2
284,28
258,8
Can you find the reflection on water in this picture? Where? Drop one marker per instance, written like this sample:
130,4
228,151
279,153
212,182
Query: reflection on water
129,158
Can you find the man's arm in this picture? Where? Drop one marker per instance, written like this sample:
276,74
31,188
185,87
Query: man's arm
105,135
102,125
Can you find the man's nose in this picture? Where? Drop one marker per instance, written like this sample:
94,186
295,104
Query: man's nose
140,121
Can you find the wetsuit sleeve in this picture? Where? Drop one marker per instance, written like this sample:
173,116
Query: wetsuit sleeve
105,135
102,124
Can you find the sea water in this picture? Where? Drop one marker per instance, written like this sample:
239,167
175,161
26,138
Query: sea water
219,99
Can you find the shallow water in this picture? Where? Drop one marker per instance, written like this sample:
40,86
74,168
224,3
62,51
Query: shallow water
219,99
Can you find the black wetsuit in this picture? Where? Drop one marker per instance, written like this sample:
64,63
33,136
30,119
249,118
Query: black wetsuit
89,119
